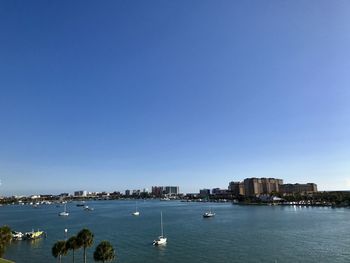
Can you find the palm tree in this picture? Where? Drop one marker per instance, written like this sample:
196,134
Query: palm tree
5,238
59,249
72,244
85,240
104,252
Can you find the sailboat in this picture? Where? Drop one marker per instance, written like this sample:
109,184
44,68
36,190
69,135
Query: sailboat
161,239
64,213
136,213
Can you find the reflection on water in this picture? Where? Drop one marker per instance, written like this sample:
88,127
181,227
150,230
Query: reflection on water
161,249
35,243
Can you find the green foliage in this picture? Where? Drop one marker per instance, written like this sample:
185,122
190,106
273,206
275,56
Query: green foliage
104,252
72,244
5,261
59,249
5,238
2,249
85,240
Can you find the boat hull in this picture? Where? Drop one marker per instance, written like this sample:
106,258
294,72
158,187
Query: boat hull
63,214
160,241
207,215
34,234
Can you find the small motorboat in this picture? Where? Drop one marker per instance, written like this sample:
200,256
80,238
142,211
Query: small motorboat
208,214
17,235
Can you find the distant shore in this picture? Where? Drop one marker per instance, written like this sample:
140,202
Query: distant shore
324,199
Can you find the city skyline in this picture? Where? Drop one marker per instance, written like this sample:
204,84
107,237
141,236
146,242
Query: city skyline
196,94
248,186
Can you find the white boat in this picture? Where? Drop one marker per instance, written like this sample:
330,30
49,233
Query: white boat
208,214
64,213
136,213
17,235
161,239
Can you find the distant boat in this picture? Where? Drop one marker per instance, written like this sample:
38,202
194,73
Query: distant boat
161,239
81,204
136,213
87,208
64,213
208,214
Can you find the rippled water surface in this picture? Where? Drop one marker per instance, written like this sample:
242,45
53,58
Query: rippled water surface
235,234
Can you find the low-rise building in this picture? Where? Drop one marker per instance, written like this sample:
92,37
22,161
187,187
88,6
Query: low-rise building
298,188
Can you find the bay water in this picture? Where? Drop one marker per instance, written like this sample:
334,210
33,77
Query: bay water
236,234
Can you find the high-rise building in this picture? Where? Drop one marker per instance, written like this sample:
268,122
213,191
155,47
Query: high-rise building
158,191
204,193
267,186
81,193
252,186
270,185
236,188
136,192
171,190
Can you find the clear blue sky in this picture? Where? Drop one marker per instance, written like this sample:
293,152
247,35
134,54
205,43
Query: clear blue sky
111,95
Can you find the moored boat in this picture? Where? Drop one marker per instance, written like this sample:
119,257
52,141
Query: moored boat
208,214
136,213
161,239
17,235
34,234
64,213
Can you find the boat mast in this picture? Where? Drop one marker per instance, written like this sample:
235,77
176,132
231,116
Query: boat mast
161,223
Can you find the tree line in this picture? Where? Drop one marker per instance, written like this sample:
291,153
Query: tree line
84,239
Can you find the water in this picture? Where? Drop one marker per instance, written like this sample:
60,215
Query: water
235,234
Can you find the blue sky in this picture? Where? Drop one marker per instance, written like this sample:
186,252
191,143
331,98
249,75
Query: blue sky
112,95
